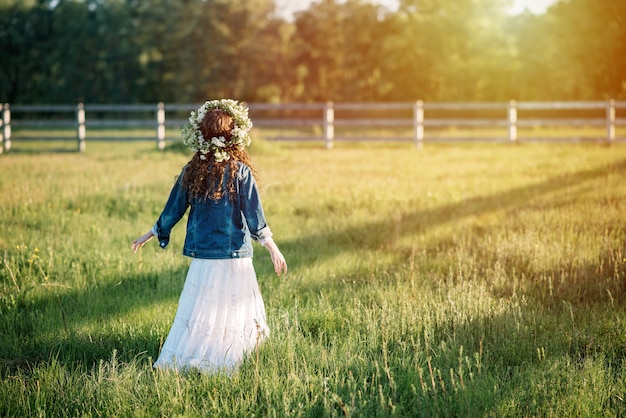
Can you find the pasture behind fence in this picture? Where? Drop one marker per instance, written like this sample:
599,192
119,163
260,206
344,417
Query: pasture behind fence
416,122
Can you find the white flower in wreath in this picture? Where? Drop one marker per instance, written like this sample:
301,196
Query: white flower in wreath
193,139
221,156
218,142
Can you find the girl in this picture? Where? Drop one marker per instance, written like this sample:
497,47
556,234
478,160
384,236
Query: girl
221,315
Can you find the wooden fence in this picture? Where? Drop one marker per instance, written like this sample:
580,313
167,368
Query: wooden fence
417,122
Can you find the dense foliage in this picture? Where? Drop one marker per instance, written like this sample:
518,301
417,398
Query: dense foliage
121,51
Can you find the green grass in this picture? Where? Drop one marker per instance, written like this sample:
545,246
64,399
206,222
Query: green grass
457,280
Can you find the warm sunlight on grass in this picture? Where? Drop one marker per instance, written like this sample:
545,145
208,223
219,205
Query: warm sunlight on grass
460,279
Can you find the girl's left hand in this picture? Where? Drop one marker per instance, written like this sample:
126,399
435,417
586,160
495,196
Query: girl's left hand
280,265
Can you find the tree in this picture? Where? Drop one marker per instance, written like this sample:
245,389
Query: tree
452,50
592,47
337,51
68,51
197,49
64,51
25,33
93,55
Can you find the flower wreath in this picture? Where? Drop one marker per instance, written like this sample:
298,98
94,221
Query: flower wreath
195,141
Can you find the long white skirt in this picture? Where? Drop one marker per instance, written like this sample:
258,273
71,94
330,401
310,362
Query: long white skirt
220,317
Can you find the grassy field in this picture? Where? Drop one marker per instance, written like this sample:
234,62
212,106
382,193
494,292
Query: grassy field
458,280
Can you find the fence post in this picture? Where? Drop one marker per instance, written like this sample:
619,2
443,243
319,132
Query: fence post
161,126
329,128
6,128
610,121
418,124
512,121
80,123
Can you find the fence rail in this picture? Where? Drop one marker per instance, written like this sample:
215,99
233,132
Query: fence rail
417,121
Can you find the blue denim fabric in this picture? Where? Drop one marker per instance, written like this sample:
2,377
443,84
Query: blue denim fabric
216,229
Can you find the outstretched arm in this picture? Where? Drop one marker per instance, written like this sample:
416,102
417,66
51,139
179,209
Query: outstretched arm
139,242
280,265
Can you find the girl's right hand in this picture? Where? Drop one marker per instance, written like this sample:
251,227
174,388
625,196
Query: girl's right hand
139,242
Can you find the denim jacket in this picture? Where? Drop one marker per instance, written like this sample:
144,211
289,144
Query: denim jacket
216,229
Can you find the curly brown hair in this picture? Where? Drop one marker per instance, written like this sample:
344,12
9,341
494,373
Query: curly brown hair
205,177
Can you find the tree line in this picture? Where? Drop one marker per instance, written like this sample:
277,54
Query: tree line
184,51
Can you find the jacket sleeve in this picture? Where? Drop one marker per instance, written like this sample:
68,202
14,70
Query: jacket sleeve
174,210
251,207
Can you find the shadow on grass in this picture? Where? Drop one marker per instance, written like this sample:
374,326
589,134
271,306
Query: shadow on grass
42,150
70,146
381,235
496,365
75,308
68,311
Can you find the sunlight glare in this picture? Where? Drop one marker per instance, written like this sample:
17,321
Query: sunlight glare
286,8
533,6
